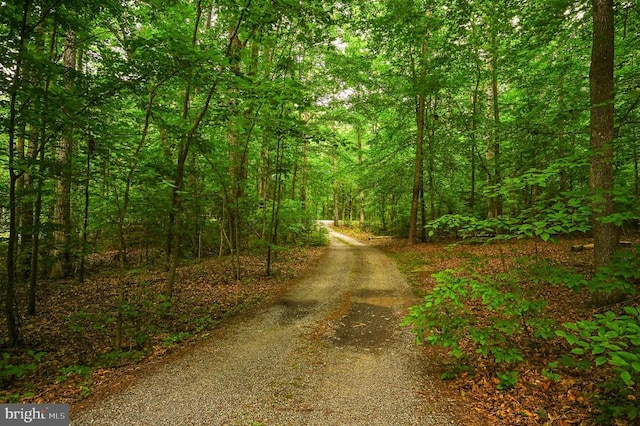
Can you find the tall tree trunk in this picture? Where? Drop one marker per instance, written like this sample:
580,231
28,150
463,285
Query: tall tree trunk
303,185
305,160
418,170
361,199
493,149
294,177
25,193
275,206
121,220
423,218
35,245
63,196
85,221
418,162
336,188
474,128
177,206
237,159
563,186
13,329
20,199
432,158
39,143
602,131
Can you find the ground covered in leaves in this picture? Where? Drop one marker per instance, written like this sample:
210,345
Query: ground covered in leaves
574,396
67,351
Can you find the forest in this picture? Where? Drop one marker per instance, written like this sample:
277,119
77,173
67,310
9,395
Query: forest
158,135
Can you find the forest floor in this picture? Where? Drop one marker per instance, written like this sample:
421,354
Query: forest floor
67,352
535,399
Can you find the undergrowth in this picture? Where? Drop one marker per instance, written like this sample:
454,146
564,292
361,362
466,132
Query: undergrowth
500,317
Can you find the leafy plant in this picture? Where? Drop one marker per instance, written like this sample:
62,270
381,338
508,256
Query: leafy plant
620,275
452,224
448,317
119,358
15,397
66,372
8,369
545,221
612,341
173,339
508,380
549,372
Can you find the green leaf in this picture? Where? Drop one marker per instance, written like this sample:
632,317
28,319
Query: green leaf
632,311
613,347
626,376
612,334
618,362
571,326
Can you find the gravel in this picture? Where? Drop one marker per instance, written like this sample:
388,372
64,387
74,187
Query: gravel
329,353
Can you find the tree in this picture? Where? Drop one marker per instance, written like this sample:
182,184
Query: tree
12,131
65,154
602,131
418,165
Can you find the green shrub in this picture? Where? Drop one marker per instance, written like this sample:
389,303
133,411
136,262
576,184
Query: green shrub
621,275
66,372
613,341
449,318
10,370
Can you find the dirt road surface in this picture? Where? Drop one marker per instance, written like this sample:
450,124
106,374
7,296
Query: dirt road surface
330,352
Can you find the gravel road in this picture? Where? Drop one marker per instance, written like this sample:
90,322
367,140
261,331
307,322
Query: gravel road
330,352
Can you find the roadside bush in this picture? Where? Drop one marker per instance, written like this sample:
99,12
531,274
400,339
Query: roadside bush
489,316
545,221
492,316
612,341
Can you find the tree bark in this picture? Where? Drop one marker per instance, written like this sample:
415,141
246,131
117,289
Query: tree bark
13,328
361,199
63,196
602,131
336,194
237,158
418,167
418,162
493,150
474,127
39,143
